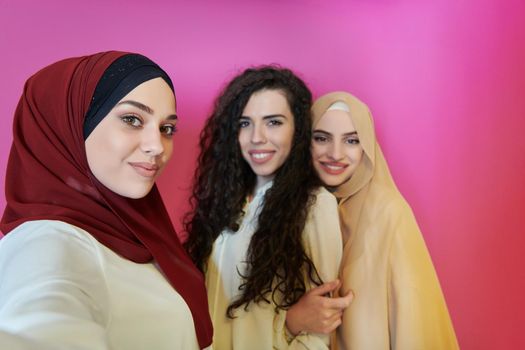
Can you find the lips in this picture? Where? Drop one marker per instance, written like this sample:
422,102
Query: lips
145,169
260,156
333,168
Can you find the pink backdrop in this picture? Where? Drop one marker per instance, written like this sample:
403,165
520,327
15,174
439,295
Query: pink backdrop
445,81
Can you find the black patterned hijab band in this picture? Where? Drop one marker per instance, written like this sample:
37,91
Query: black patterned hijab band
122,76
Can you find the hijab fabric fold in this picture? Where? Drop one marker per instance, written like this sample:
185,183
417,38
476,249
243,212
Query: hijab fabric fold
48,178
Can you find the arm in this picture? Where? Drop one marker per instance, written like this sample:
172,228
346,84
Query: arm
418,315
323,243
52,290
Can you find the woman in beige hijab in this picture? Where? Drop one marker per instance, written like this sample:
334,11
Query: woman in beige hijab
398,303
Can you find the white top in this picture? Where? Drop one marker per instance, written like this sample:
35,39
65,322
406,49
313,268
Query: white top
261,327
229,249
61,289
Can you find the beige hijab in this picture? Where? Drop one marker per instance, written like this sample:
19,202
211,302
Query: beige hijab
371,172
398,302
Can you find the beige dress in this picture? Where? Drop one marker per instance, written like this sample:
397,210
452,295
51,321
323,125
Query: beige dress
260,327
398,301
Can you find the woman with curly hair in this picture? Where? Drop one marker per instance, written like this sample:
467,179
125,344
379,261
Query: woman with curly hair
261,229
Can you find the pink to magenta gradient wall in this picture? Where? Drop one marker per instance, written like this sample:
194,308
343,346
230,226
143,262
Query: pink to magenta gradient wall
445,81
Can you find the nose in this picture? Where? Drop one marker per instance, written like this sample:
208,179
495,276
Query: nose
152,142
258,134
335,151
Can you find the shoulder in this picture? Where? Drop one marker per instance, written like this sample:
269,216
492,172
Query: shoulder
48,235
324,206
323,197
51,270
323,217
390,203
391,217
49,246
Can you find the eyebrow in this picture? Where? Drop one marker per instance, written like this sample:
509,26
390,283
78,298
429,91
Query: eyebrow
328,133
145,108
270,116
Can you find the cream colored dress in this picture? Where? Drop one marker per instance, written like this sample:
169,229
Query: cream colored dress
61,289
261,327
398,302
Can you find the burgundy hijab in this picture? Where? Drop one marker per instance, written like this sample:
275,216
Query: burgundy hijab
48,178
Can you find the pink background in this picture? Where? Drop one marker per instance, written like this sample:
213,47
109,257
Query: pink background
445,81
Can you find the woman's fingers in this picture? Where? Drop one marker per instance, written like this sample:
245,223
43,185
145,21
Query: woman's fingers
342,303
338,303
325,288
330,324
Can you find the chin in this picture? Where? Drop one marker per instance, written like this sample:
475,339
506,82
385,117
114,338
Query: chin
137,196
136,193
331,180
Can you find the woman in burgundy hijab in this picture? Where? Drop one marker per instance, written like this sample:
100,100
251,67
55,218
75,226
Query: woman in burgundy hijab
90,259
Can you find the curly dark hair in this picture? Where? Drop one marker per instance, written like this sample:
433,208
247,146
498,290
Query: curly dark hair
278,267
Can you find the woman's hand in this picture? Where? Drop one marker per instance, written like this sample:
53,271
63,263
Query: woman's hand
316,312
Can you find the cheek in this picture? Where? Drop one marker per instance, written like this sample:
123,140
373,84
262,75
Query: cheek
317,150
104,165
287,138
118,144
357,154
101,153
317,167
242,139
168,150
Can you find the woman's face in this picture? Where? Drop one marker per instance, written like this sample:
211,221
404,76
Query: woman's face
336,150
129,148
266,130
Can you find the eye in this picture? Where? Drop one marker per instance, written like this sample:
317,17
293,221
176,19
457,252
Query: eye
243,124
352,141
168,129
275,122
320,139
132,120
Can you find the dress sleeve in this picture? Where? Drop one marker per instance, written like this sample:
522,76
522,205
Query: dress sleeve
52,290
418,314
323,243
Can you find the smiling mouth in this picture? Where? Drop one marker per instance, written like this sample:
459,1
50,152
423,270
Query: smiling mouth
145,169
333,168
260,157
